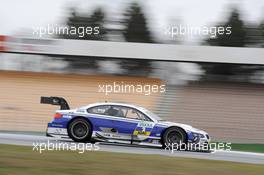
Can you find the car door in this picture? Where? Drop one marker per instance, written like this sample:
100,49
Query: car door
122,127
144,125
109,122
131,124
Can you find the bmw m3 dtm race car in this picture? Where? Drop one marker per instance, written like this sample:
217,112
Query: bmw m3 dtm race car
118,123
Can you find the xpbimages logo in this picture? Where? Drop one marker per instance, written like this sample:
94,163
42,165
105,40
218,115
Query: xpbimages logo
212,32
64,146
146,89
55,29
210,147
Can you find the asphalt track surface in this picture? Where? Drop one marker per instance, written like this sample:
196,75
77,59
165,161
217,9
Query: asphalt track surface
234,156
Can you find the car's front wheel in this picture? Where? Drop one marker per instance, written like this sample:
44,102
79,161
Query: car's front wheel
175,138
80,130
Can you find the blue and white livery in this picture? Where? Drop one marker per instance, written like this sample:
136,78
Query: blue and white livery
118,123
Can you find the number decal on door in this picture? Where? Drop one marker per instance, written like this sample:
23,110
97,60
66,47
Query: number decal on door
143,128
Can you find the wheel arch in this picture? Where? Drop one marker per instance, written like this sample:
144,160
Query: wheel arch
178,127
78,117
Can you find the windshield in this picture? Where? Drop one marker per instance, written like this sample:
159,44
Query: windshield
152,115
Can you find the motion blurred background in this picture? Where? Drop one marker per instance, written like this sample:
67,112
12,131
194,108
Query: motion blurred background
224,99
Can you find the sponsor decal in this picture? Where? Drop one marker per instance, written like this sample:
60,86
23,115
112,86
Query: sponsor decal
143,128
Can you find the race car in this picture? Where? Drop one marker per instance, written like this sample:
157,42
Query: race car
118,123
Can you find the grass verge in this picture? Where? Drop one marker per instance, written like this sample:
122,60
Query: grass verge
24,132
258,148
23,161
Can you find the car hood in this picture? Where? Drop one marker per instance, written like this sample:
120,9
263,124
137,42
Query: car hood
187,128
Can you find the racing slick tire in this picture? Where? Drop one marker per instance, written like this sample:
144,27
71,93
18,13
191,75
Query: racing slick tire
80,130
174,138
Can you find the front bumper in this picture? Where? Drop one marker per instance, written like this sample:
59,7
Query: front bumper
198,137
198,141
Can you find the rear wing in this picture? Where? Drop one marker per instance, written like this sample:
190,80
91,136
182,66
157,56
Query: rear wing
55,101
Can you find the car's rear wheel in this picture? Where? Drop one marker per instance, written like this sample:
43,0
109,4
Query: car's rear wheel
80,130
175,138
